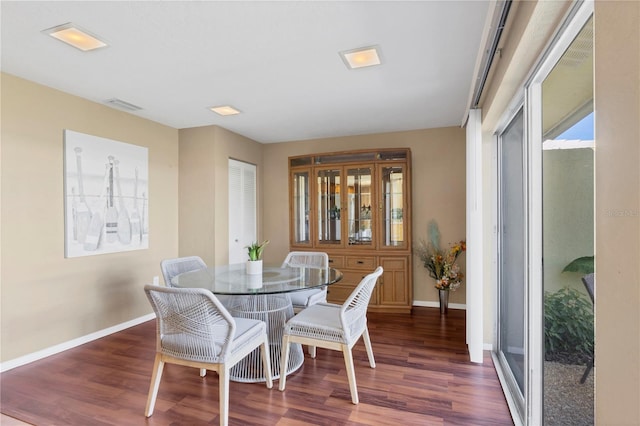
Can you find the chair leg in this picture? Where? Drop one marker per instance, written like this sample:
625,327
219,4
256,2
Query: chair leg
266,361
587,371
284,361
158,366
367,345
351,375
223,379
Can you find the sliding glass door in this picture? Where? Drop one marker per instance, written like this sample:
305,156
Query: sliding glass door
544,221
512,234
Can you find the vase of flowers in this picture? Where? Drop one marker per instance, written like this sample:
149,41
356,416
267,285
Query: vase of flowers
254,263
441,265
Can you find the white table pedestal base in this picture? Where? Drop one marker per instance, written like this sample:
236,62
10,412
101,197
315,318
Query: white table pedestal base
275,310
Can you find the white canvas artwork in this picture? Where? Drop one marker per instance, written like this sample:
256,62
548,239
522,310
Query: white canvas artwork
106,195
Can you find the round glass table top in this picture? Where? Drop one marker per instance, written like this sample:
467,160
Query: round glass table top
233,279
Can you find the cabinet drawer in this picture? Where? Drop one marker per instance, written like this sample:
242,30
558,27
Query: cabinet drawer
352,277
361,262
336,261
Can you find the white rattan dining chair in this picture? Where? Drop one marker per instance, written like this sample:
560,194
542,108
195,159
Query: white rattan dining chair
172,267
305,298
194,329
180,265
335,327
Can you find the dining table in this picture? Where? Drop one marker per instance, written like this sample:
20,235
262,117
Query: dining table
265,297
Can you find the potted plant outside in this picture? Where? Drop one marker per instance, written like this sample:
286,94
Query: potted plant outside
584,265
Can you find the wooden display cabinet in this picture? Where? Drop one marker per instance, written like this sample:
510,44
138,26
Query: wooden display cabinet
356,207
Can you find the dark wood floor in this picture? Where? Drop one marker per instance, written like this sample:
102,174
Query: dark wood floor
423,377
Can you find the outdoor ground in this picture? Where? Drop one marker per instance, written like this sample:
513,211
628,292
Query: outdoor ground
567,402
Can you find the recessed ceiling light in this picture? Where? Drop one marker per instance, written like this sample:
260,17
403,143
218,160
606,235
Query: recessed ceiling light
75,36
225,110
362,57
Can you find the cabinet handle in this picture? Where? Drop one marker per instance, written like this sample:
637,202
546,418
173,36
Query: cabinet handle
330,260
360,262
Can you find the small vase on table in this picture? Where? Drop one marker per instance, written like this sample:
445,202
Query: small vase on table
254,267
254,263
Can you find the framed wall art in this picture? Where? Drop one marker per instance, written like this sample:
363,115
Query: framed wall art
106,194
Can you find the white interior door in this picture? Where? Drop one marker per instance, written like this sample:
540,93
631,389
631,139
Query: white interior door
242,209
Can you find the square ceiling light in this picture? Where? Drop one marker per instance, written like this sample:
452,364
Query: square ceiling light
362,57
76,37
224,110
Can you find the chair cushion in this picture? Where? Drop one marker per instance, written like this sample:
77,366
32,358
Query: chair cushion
247,330
319,321
189,346
304,298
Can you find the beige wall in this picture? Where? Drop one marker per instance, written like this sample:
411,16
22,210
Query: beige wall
204,189
196,193
438,185
617,211
47,299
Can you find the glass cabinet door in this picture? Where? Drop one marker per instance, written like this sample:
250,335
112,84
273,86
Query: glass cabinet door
393,202
329,209
360,206
301,232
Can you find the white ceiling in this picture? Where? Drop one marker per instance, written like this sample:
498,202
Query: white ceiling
275,61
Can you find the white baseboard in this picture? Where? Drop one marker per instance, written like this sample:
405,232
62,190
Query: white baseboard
35,356
437,304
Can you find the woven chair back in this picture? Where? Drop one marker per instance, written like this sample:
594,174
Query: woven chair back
307,258
354,310
172,267
191,324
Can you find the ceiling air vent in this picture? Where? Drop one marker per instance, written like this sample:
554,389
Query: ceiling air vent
120,104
